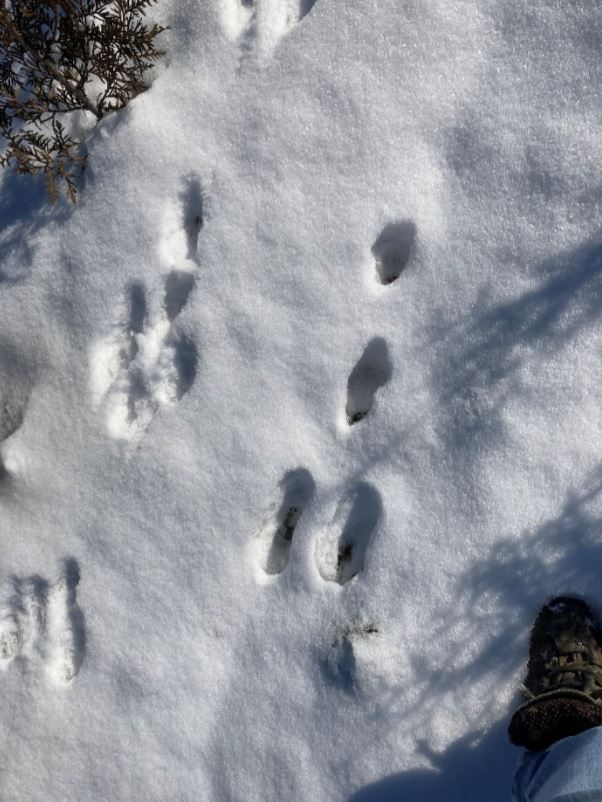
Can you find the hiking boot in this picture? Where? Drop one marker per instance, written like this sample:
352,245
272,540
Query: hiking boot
564,678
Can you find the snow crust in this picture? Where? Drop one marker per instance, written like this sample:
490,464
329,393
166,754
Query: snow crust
300,406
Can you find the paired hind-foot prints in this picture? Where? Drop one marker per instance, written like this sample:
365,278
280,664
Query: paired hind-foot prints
340,554
145,363
42,623
341,548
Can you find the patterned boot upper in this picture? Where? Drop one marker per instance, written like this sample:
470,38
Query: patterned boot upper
564,678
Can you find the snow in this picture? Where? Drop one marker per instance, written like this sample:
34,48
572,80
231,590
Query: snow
180,357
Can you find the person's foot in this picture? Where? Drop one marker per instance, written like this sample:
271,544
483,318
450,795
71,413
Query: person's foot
564,679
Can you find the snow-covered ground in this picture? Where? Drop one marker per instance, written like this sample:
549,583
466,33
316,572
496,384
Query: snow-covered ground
300,406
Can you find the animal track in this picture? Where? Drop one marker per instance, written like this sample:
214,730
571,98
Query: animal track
341,549
261,24
145,363
11,418
42,622
340,664
192,200
235,17
274,539
340,554
393,249
178,286
182,224
372,371
16,381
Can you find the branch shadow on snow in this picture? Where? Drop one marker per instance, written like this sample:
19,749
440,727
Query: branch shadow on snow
562,556
501,594
479,371
477,766
24,209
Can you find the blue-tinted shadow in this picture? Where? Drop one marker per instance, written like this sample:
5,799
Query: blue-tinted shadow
24,208
475,768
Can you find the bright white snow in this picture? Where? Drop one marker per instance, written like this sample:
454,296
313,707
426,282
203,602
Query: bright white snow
300,406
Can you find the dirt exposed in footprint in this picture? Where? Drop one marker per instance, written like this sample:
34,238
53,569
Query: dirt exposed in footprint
275,537
342,548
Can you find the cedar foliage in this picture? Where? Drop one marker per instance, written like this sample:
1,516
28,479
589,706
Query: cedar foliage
61,57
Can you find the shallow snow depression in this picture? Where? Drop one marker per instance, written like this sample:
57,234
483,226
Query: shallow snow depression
299,408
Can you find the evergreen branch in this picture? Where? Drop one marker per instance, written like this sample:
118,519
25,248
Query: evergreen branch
51,55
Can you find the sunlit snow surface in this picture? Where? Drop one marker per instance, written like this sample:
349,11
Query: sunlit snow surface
300,406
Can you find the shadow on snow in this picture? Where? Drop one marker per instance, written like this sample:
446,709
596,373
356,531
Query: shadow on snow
479,361
24,209
476,767
501,594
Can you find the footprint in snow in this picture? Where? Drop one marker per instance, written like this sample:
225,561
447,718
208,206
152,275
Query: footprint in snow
340,660
342,546
16,381
274,539
192,202
42,622
261,24
181,225
340,554
392,250
145,363
11,418
372,371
